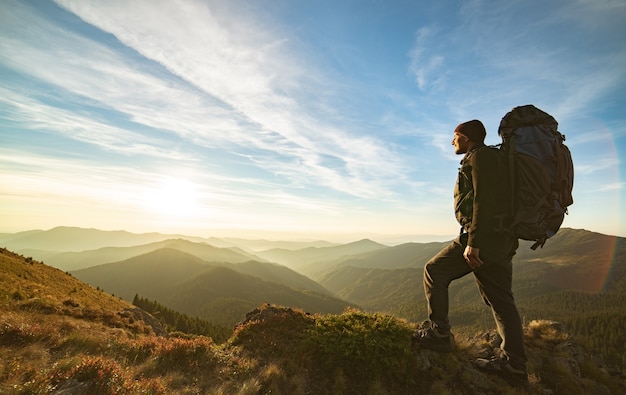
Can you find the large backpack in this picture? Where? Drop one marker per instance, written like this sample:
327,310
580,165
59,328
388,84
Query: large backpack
541,173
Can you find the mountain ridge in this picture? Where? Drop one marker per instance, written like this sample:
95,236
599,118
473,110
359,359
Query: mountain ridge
76,239
75,260
67,238
299,259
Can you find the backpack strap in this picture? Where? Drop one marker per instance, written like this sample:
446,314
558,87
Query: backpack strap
511,164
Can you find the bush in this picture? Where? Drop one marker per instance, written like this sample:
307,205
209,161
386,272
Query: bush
15,331
363,347
193,354
104,376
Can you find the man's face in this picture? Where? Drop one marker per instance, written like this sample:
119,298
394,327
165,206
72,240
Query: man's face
461,143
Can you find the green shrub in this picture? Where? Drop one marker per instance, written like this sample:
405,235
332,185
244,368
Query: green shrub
192,354
361,347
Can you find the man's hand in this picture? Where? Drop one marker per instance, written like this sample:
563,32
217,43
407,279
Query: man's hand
472,258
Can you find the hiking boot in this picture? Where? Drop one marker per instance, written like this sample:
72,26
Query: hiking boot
515,377
431,339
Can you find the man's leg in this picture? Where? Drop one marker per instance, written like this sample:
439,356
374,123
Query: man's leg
495,282
439,272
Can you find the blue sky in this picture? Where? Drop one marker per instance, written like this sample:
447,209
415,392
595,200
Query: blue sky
293,119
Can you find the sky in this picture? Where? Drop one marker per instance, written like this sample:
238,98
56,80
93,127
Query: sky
294,119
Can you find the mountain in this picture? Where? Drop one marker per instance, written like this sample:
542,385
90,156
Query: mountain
148,275
226,296
573,259
579,260
73,239
305,258
193,286
375,289
25,280
262,244
7,237
59,335
64,238
279,274
34,295
71,261
396,257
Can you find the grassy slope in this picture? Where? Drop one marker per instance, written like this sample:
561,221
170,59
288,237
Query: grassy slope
24,279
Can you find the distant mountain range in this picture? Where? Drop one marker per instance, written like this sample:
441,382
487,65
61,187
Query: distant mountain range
72,260
314,261
63,239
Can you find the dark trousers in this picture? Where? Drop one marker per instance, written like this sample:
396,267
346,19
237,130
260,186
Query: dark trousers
494,280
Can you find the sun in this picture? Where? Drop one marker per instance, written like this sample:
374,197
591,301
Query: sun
173,197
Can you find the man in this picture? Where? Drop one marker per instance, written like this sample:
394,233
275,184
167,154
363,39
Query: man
484,247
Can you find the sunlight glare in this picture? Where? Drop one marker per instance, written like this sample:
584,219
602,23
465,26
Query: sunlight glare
173,198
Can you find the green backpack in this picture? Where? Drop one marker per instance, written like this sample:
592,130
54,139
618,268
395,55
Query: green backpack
541,173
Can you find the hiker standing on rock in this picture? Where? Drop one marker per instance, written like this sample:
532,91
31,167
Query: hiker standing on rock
485,247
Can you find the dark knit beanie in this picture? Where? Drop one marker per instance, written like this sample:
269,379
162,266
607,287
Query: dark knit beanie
474,130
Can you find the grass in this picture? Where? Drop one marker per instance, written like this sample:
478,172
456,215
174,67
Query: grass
38,358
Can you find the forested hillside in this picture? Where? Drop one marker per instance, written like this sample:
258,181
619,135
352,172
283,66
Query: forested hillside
174,321
218,292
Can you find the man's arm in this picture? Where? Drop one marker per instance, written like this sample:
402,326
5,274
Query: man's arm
486,184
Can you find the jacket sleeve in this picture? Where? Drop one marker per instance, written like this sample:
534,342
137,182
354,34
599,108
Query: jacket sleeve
487,184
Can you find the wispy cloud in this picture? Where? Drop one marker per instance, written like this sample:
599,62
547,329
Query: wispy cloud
616,186
93,72
36,115
599,165
424,66
239,70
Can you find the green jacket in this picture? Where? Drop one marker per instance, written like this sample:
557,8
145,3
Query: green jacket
482,198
